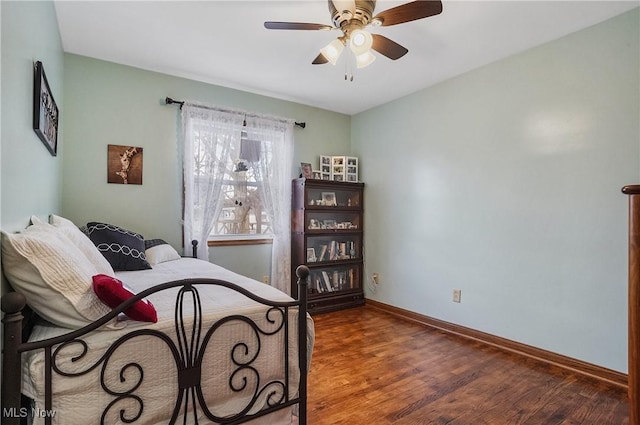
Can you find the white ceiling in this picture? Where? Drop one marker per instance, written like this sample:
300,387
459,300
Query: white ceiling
225,43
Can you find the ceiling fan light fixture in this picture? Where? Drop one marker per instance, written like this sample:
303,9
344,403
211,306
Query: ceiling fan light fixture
332,51
360,41
364,59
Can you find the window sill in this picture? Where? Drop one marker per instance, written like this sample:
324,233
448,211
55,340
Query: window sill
237,242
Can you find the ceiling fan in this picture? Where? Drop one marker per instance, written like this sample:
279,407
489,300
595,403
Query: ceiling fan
352,17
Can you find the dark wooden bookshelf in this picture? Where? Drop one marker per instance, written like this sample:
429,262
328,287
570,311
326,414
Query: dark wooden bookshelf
327,236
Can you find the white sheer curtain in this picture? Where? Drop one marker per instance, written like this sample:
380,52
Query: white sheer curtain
273,168
208,136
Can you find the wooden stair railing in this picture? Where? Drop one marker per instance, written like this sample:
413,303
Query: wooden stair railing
634,303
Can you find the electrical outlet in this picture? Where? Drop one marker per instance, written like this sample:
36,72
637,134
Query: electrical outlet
375,278
457,293
265,279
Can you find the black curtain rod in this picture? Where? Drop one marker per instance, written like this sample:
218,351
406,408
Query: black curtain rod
170,101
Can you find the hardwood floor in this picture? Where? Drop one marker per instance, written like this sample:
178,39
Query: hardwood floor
369,368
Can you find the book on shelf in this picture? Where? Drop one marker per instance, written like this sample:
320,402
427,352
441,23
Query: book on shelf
326,282
317,284
332,251
342,250
335,250
323,252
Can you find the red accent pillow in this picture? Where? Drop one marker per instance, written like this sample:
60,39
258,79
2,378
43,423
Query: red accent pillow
112,292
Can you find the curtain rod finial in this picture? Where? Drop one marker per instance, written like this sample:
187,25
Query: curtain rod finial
169,101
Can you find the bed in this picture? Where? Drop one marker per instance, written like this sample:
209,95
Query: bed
224,349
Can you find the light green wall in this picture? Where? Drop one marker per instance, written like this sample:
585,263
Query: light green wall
31,177
107,103
505,183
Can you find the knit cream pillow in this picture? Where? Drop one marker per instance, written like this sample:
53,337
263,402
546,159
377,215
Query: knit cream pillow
54,276
83,242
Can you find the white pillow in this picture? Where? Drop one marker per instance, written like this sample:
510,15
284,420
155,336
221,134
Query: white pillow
35,220
83,242
53,275
161,253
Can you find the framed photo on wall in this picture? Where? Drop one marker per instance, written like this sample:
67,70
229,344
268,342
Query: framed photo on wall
45,110
124,164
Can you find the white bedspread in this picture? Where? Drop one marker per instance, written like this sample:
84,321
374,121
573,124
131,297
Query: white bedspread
81,400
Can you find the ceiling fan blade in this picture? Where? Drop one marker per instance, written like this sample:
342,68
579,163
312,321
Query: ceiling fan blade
387,47
409,12
342,5
295,26
319,60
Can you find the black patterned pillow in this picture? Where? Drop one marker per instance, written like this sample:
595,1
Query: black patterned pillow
158,251
122,248
150,243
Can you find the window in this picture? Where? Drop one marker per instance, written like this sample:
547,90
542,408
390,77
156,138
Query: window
237,180
243,210
242,213
233,173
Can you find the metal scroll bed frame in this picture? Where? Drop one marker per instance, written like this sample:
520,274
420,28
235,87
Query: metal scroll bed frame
187,351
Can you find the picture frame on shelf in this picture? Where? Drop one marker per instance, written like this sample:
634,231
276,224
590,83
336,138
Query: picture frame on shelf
311,255
325,167
316,175
352,169
306,170
338,168
329,199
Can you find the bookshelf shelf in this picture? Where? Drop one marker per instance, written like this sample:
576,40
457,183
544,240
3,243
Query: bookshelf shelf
326,236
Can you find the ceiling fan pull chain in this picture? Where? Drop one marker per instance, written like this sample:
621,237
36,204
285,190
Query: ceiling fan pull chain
348,71
351,62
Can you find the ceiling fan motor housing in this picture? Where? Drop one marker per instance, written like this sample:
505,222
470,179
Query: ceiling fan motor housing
364,12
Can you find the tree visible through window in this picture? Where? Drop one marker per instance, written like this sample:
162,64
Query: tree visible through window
242,210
